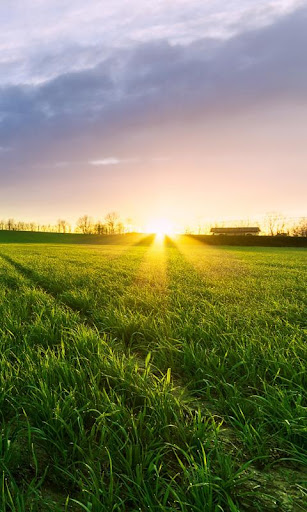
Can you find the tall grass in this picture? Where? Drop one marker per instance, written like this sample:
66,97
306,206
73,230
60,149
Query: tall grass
145,377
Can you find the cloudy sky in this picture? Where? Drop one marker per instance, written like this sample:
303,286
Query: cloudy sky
186,109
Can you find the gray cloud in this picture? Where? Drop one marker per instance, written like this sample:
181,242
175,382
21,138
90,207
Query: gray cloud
43,38
155,82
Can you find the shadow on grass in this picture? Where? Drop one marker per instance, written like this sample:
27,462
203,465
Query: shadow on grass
145,242
55,289
169,242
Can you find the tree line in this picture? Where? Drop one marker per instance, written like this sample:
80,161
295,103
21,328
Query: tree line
273,224
110,225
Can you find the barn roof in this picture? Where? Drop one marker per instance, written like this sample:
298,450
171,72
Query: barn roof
247,229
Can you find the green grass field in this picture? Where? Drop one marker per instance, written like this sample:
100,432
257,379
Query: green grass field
148,375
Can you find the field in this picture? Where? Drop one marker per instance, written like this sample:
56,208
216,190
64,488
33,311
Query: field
151,374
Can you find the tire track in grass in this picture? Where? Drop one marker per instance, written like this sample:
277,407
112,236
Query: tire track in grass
120,319
51,289
120,316
38,283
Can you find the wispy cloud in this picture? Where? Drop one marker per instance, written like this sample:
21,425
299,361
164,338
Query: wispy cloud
113,161
105,161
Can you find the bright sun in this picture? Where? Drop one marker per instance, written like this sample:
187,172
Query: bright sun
161,227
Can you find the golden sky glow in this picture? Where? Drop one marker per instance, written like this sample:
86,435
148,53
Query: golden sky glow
161,114
160,226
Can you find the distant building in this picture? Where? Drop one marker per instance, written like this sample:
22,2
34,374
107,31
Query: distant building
235,231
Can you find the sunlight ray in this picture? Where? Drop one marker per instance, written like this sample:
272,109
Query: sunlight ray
210,260
152,271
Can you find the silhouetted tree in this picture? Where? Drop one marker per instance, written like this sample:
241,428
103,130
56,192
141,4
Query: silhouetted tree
301,228
62,226
84,224
100,228
111,221
10,225
275,223
120,228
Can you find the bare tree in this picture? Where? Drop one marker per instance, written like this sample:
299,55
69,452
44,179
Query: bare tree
100,228
84,224
282,228
275,223
10,225
21,226
62,226
301,228
111,221
120,228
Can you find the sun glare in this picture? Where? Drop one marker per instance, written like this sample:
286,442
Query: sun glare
160,227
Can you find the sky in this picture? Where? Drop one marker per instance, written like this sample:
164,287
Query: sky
190,110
